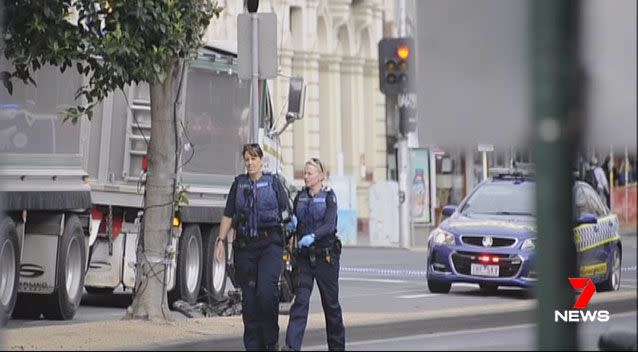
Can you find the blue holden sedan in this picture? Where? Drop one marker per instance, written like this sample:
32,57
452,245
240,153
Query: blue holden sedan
490,238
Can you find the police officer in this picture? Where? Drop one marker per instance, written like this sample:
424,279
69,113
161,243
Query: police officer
315,209
256,206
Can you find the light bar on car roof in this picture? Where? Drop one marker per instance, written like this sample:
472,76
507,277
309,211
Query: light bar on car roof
518,170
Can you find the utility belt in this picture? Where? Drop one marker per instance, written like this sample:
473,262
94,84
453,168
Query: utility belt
329,254
261,235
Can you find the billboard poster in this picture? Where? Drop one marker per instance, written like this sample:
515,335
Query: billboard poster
420,186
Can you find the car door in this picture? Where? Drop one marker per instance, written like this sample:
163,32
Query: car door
594,242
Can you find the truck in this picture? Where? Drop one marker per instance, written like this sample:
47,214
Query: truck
74,194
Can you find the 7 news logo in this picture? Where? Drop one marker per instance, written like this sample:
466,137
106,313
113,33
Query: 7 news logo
579,314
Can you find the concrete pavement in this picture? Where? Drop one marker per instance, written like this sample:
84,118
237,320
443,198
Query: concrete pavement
149,335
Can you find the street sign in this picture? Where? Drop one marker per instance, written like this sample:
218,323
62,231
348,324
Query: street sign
267,49
485,147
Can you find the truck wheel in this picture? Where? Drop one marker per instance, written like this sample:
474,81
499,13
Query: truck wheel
69,272
613,279
189,266
28,306
439,286
214,277
9,268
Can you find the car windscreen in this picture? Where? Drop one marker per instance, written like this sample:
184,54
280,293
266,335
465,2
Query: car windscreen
501,199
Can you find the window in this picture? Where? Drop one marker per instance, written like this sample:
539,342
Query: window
587,201
502,199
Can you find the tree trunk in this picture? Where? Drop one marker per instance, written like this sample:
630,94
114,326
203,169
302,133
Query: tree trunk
150,282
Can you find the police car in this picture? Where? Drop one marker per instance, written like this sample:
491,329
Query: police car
489,239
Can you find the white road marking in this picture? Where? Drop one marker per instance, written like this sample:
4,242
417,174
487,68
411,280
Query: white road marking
423,295
386,281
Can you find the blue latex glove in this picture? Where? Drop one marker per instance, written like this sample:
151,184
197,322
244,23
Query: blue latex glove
292,225
307,240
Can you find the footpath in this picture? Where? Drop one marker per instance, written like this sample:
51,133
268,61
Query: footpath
151,335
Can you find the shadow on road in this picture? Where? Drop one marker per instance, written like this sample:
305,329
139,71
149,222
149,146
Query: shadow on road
514,293
115,300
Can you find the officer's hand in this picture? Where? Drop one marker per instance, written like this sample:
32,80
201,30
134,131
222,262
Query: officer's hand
292,225
307,240
219,251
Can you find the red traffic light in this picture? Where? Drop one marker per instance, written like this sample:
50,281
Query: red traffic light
403,52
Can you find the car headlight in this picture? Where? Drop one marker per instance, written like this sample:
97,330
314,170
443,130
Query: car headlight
529,244
442,237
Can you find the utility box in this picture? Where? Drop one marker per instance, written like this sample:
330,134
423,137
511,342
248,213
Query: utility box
384,214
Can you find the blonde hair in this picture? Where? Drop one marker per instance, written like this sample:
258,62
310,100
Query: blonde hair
316,162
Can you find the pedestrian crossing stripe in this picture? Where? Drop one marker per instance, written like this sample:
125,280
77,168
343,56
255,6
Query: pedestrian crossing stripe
588,236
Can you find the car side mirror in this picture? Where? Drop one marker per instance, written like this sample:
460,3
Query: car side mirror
448,210
586,218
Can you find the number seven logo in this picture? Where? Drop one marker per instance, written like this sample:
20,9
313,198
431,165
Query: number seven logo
588,291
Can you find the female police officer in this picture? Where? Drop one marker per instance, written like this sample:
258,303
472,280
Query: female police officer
257,204
315,207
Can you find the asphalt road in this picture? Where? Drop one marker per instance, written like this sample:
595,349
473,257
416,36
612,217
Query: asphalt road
383,280
519,337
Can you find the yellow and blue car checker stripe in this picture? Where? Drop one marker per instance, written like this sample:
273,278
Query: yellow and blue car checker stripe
588,236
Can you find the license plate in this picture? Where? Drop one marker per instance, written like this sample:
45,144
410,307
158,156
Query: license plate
484,270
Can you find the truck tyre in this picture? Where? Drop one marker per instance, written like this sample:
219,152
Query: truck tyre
612,283
28,306
439,286
69,272
9,268
214,276
189,266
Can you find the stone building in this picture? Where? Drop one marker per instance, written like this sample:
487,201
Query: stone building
333,45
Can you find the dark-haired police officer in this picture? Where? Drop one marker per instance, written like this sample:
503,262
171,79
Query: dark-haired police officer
257,204
315,209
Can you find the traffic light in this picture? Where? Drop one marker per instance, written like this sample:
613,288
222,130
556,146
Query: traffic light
396,65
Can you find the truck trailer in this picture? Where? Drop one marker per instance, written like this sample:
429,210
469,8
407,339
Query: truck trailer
74,194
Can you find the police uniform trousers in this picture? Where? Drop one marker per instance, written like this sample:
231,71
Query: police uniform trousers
327,277
258,269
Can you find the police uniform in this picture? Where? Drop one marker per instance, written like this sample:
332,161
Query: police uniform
257,209
317,214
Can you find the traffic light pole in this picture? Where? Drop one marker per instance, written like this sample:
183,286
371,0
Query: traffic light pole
403,155
254,104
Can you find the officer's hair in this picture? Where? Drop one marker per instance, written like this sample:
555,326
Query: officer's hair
316,163
253,149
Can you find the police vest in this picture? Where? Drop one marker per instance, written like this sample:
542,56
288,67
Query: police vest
257,202
311,211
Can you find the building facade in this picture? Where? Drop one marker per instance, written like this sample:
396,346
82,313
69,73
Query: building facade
333,45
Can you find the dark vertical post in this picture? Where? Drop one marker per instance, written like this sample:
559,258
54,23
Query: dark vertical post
556,111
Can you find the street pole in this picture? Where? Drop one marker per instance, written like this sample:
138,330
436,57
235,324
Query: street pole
403,154
254,104
556,109
484,164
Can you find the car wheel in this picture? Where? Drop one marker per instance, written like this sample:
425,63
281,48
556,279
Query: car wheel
439,286
488,288
613,279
